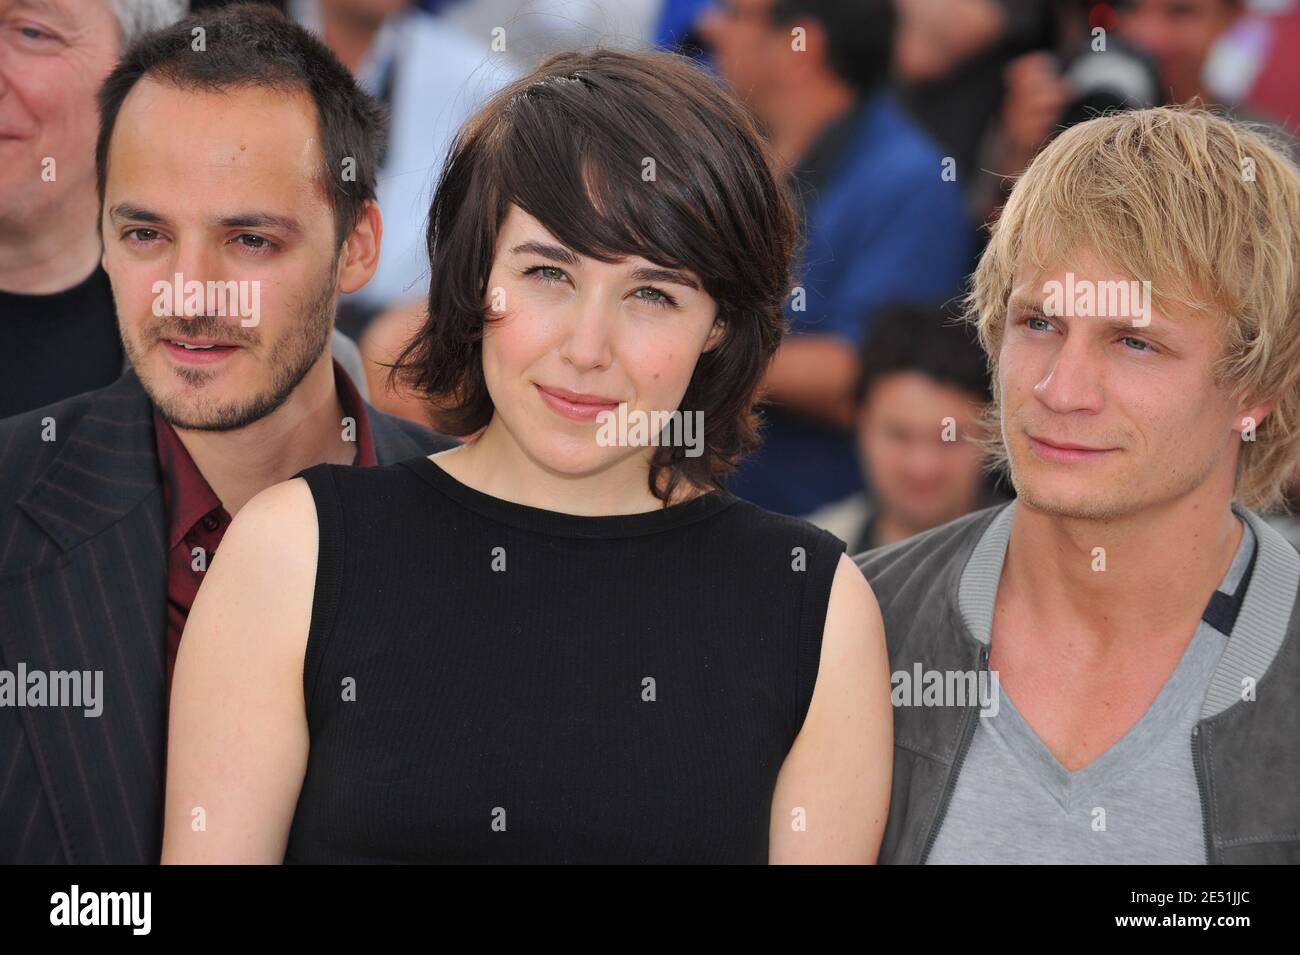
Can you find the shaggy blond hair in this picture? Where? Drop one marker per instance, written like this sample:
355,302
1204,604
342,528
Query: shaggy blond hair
1209,210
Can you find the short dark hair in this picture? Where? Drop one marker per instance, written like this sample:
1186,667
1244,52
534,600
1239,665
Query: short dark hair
859,34
252,45
924,337
567,144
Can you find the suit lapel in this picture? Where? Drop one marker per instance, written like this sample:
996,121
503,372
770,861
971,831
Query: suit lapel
393,444
100,606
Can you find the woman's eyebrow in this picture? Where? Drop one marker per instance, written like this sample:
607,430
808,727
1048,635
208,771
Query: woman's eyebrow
665,275
545,249
568,257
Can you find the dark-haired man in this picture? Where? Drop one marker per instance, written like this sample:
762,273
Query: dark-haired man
59,325
923,386
883,220
237,202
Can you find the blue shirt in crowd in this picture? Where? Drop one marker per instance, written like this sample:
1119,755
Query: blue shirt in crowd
881,224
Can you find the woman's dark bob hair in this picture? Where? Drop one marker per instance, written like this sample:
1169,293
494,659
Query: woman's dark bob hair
571,144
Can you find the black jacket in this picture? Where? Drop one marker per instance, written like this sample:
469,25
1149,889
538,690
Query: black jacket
83,587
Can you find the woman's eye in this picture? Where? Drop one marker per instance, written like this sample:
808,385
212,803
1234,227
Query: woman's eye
1043,324
549,274
1131,341
656,296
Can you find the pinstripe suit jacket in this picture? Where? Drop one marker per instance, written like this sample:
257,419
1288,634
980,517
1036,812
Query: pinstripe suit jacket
83,586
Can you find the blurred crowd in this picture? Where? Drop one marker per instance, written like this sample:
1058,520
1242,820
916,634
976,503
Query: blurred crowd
899,127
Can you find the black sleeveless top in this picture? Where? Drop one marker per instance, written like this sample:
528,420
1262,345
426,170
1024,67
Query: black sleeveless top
491,682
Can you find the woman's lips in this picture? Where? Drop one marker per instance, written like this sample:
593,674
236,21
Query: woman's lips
568,404
1065,454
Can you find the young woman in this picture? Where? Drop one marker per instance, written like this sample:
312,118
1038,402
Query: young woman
562,641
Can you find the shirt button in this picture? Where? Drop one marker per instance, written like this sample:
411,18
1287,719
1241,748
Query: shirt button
210,522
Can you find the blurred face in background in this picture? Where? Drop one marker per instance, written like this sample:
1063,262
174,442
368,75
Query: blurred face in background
919,478
53,56
572,336
934,36
1179,35
748,48
220,187
362,12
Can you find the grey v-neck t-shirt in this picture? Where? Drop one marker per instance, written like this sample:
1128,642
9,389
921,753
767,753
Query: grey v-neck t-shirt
1137,803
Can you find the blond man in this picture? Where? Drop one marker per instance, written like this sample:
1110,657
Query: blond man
1108,669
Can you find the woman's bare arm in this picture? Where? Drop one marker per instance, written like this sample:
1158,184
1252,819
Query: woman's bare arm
832,794
237,740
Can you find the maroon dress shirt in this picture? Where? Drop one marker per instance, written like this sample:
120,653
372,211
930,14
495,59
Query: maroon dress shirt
196,519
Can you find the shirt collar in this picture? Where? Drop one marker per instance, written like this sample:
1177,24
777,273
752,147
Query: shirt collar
354,407
187,495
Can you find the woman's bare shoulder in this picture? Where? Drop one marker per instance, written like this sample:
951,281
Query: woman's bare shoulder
279,521
262,578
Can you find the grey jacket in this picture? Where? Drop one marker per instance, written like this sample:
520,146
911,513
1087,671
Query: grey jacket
1246,752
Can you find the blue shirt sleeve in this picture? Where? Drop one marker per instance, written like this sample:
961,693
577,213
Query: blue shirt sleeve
868,248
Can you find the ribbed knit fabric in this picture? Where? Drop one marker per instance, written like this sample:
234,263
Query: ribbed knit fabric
491,682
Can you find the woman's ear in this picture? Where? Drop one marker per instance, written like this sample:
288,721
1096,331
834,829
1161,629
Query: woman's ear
715,335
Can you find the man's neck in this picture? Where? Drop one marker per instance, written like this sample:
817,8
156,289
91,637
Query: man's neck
50,256
306,430
799,116
1110,582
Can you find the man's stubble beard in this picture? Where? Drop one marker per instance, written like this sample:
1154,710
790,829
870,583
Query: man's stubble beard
291,358
1113,503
